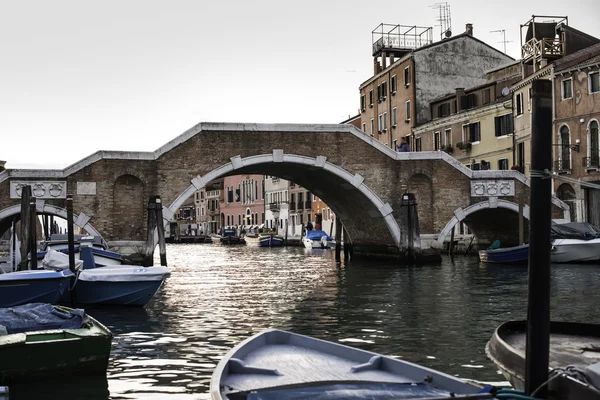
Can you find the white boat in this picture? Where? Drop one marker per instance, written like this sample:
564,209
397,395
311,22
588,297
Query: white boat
318,239
102,256
283,365
575,242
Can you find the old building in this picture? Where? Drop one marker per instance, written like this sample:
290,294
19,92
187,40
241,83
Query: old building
276,203
576,132
207,201
475,125
299,205
410,71
243,202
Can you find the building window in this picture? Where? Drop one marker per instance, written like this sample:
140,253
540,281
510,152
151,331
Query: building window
394,84
468,101
594,82
567,89
448,137
408,111
393,117
371,98
564,156
437,145
384,90
471,133
384,126
503,164
364,128
504,125
593,140
363,102
406,76
381,123
486,96
519,103
396,144
418,144
372,127
443,110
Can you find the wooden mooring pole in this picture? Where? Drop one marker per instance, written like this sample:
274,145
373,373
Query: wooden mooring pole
538,310
151,224
338,239
33,233
160,227
71,245
25,225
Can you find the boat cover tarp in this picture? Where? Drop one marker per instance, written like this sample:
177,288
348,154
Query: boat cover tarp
367,390
575,230
124,274
38,317
57,260
317,234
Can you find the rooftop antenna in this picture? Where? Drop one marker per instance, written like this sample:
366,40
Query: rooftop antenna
445,22
504,41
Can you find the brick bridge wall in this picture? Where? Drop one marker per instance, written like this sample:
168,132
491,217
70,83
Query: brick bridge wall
359,178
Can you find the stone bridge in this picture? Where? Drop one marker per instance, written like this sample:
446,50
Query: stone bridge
361,179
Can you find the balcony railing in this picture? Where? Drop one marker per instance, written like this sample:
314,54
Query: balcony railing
307,204
274,206
562,165
300,205
292,206
591,162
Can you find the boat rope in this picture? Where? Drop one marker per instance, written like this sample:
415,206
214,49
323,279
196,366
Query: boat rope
571,371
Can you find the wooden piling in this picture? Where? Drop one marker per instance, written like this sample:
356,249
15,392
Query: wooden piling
537,350
71,246
33,233
286,233
521,225
346,246
160,226
338,239
25,225
451,247
151,225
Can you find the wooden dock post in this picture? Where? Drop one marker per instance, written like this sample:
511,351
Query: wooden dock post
71,245
25,225
521,225
451,247
338,239
346,245
33,233
410,238
537,350
160,227
286,234
151,225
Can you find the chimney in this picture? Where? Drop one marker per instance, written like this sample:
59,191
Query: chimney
469,29
391,58
376,66
384,60
460,94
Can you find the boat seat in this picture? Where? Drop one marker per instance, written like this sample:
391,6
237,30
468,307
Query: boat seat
237,366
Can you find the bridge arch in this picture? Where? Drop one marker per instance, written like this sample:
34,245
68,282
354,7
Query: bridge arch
462,214
80,220
269,164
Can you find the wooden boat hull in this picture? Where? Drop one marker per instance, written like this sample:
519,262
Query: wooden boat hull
270,241
276,364
46,354
508,255
570,344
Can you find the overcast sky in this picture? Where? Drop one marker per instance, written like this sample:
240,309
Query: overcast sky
81,76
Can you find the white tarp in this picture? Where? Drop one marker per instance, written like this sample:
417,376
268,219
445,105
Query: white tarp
57,260
124,273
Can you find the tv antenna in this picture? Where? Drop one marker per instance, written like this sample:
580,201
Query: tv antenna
445,22
504,41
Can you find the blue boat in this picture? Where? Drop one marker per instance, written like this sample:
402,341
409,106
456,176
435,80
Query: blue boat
283,365
33,286
123,285
270,239
230,236
506,255
102,256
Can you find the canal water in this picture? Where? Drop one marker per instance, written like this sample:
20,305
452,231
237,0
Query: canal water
440,316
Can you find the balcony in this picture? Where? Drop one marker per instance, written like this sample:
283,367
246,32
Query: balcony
292,206
591,162
274,206
562,166
300,205
307,204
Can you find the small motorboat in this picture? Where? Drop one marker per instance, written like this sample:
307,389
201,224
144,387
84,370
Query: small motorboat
575,242
507,255
21,287
230,236
270,239
41,341
317,239
283,365
102,256
126,285
571,344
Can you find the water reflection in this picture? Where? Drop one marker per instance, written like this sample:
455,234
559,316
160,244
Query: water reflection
437,315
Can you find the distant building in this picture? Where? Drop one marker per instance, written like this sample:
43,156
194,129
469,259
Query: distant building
410,71
207,202
243,203
276,202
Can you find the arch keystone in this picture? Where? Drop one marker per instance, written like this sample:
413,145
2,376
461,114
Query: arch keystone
277,155
493,202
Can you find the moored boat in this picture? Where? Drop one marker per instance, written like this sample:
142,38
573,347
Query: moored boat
31,286
230,236
44,341
571,344
270,239
317,239
507,255
276,364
